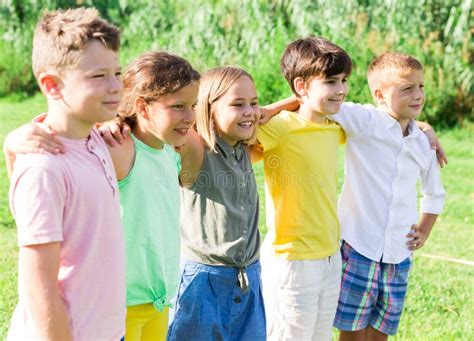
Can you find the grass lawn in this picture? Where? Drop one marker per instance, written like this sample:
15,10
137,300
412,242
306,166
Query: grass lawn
440,297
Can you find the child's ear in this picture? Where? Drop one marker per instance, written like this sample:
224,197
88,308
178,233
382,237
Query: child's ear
141,107
50,84
300,86
379,97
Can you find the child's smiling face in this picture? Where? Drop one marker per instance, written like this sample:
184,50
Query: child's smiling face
171,116
236,113
403,96
325,95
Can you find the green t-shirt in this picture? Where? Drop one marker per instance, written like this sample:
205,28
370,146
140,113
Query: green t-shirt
149,198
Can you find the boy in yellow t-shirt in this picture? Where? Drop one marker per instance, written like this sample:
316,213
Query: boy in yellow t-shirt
300,165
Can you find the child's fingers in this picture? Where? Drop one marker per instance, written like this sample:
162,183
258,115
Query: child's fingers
116,132
47,136
126,130
107,136
47,145
441,156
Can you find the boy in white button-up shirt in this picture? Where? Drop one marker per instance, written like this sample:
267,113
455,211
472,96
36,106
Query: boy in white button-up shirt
386,154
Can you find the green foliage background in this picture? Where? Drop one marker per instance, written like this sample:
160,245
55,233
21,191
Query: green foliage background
253,34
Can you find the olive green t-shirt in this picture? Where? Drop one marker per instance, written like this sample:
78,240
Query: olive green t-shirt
219,220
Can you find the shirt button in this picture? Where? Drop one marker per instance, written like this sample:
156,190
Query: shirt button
244,231
91,147
103,161
110,178
242,208
237,299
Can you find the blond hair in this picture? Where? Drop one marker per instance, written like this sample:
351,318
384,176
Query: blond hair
388,65
61,37
214,84
150,76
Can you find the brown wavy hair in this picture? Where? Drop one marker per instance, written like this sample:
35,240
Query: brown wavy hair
151,75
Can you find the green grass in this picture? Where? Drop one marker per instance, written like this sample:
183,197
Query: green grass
440,301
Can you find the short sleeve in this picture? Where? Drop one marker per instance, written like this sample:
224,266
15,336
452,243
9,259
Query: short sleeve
353,118
37,200
271,133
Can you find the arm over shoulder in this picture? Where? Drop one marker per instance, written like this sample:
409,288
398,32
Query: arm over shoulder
270,134
354,118
123,157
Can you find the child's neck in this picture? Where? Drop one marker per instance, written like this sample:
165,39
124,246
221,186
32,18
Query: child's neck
147,137
311,115
66,125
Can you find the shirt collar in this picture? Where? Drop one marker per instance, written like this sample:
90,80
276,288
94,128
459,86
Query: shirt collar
413,130
227,150
389,121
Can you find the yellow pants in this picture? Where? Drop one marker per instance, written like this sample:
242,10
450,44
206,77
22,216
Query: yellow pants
144,322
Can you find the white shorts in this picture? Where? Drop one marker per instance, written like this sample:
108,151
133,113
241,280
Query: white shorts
300,296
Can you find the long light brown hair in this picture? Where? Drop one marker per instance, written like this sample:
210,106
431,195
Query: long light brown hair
214,84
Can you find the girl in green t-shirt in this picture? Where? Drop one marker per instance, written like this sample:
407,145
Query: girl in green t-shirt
160,92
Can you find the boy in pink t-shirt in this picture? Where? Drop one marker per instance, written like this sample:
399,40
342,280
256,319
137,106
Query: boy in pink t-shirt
71,278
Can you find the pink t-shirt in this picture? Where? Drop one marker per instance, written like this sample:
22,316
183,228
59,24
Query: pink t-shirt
74,198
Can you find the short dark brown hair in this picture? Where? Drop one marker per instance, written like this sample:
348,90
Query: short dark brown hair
311,57
384,67
150,76
61,37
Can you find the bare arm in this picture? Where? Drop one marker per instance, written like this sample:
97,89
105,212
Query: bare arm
255,152
434,142
270,110
192,158
421,232
114,131
123,157
40,265
32,138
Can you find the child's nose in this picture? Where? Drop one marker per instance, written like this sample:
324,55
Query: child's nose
115,85
189,115
419,93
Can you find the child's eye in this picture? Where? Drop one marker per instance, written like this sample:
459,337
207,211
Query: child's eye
178,106
98,76
344,80
254,104
194,106
118,74
236,104
422,86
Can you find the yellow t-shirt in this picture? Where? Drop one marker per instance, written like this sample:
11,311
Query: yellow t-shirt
300,165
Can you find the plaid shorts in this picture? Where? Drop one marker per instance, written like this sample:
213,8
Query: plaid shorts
371,293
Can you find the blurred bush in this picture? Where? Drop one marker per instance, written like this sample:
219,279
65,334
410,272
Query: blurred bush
253,34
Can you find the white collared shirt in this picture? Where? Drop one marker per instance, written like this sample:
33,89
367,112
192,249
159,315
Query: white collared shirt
378,204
